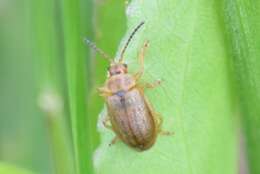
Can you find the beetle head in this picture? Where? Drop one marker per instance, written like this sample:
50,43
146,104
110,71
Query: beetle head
117,68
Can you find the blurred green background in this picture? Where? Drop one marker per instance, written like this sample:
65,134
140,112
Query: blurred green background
33,72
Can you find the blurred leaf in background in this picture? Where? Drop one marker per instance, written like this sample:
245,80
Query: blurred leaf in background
242,20
23,138
32,66
47,46
8,169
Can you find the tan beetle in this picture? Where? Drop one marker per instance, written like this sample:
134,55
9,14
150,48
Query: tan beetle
131,116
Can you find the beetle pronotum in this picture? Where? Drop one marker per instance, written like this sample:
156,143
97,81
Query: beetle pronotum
132,118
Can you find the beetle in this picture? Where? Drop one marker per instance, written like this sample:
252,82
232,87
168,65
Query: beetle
129,112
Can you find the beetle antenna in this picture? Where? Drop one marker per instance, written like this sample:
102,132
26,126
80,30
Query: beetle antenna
95,48
128,41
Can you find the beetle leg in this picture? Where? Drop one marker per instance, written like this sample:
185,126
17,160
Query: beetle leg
160,131
114,140
158,119
153,85
166,133
141,60
104,92
106,123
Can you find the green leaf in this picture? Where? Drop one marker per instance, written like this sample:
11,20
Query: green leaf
188,52
9,169
75,54
242,19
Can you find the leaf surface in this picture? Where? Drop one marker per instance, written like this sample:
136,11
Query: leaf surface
188,52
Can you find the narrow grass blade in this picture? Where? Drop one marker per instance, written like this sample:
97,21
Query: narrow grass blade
243,28
76,76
